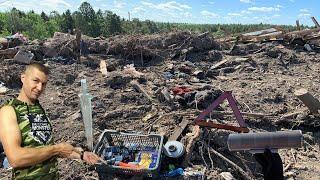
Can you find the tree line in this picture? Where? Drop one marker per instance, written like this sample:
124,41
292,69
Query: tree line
104,23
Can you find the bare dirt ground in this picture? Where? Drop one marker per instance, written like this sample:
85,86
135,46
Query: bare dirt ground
262,77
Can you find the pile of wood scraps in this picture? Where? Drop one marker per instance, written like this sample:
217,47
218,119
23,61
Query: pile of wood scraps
278,34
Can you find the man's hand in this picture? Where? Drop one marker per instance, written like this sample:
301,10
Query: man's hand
90,157
65,149
74,155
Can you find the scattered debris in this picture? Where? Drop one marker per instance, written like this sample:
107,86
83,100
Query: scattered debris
240,170
23,57
194,173
129,69
139,88
307,47
278,34
161,83
227,176
3,89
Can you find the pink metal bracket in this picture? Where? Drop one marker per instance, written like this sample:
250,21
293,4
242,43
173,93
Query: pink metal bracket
226,95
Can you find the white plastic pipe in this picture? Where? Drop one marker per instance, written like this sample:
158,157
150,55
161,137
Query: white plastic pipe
86,110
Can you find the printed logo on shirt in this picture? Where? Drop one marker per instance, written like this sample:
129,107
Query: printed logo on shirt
41,129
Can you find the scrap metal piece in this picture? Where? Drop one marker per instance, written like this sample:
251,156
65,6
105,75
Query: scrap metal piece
226,95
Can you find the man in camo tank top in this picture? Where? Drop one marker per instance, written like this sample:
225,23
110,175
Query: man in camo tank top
26,132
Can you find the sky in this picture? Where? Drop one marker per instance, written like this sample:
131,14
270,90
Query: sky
188,11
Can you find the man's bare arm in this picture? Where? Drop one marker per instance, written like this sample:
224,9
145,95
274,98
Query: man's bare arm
18,156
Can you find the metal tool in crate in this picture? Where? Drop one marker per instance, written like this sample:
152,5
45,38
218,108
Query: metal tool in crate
129,153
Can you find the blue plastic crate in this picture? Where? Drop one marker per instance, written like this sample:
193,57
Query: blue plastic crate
111,138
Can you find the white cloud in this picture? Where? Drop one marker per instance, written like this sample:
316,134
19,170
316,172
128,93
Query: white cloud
2,3
186,14
211,2
149,4
291,0
37,6
118,4
246,12
304,10
172,5
169,11
209,14
138,9
246,1
304,15
55,3
234,14
276,15
7,4
264,9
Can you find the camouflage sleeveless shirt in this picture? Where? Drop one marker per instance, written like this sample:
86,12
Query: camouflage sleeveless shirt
36,131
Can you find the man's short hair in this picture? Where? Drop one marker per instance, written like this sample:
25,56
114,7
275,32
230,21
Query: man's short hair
40,67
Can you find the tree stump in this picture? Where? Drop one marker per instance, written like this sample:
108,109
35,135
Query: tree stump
311,102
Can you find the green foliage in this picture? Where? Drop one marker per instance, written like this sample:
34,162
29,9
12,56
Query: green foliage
34,26
4,33
66,23
86,19
44,16
150,27
52,26
111,24
98,26
3,17
14,21
219,32
92,23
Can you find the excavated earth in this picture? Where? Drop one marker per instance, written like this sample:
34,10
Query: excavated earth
261,76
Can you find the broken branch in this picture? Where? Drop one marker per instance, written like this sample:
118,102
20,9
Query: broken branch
241,171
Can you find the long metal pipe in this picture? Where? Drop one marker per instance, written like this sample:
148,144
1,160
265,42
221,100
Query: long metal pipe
262,140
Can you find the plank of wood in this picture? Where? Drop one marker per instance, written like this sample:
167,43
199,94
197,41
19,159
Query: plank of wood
310,101
151,114
193,137
10,51
139,88
24,57
103,67
298,25
315,22
302,32
222,126
78,42
257,115
219,64
178,130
